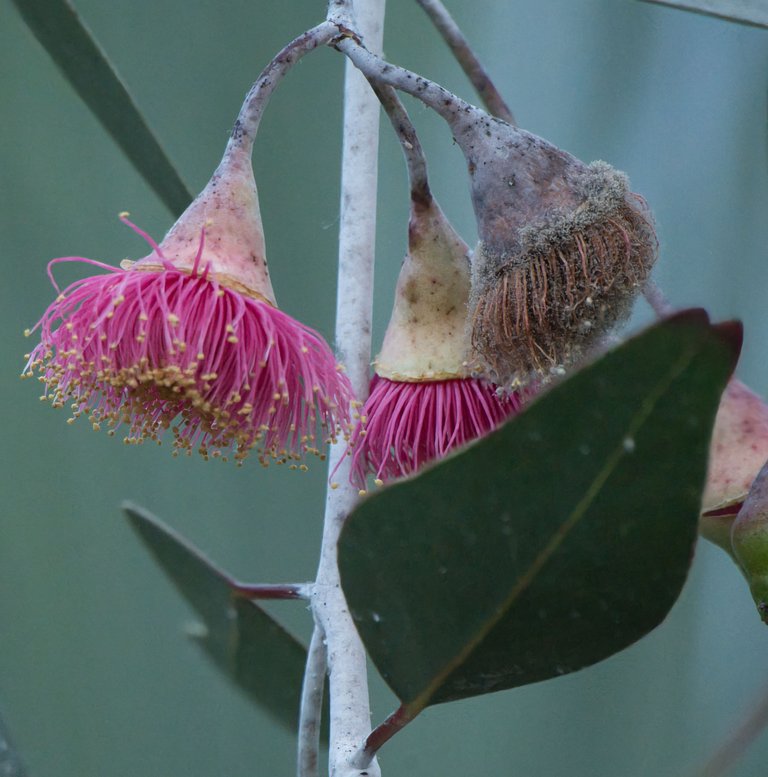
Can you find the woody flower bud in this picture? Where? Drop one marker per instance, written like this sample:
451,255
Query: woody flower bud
564,248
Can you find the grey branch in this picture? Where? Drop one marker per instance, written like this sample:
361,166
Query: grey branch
470,64
310,713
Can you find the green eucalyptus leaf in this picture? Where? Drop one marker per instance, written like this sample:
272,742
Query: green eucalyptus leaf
754,12
62,33
247,644
552,543
10,763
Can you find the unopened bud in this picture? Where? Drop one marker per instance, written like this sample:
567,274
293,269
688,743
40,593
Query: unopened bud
738,450
749,537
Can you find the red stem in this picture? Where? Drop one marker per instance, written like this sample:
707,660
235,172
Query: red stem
397,721
269,590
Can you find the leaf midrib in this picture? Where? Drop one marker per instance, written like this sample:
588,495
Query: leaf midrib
636,423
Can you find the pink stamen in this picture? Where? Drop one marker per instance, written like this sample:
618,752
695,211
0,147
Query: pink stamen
410,424
153,245
153,351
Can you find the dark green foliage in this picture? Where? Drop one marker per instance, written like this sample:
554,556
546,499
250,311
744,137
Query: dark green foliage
558,540
249,646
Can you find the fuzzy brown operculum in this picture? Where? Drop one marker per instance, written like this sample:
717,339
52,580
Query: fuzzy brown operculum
573,279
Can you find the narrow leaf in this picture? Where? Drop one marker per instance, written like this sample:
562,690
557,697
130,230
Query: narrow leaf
248,645
63,34
754,12
554,542
10,763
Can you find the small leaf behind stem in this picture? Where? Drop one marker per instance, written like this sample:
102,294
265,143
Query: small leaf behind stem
556,541
754,12
247,644
62,33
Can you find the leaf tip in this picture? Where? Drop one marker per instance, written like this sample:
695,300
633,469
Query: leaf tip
731,333
690,316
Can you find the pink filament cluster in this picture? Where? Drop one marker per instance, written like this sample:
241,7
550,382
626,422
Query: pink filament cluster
405,425
158,349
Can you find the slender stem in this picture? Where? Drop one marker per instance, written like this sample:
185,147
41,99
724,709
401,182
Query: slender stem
409,142
738,742
271,590
397,721
470,64
249,118
453,109
308,762
348,684
656,298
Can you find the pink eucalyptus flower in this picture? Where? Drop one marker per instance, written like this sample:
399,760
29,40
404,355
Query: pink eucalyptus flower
189,339
425,400
409,424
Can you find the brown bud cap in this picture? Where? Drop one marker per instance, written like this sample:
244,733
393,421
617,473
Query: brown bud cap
427,338
738,450
564,248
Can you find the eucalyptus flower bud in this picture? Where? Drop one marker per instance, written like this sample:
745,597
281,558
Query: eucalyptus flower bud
564,248
738,450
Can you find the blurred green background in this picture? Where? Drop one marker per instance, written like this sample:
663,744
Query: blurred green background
96,676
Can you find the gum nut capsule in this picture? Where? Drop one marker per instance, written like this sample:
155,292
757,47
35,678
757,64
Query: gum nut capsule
563,249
